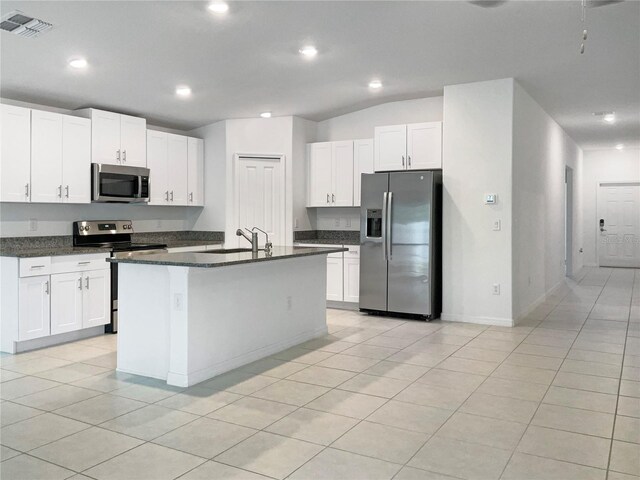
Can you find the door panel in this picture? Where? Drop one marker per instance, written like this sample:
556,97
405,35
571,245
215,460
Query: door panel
619,236
342,174
390,148
362,163
334,278
319,184
424,146
96,298
15,154
373,265
133,141
351,278
409,252
46,157
76,159
157,150
105,137
66,302
34,307
177,160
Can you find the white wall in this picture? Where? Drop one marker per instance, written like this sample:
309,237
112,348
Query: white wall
603,165
360,124
541,150
304,131
477,152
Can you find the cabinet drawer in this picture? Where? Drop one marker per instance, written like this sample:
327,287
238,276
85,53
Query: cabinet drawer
354,251
30,267
79,263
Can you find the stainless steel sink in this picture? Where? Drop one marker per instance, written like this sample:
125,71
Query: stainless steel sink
228,250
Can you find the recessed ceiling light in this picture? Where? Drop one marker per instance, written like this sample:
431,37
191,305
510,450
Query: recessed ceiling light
218,7
265,114
619,146
183,91
309,51
609,118
375,84
78,63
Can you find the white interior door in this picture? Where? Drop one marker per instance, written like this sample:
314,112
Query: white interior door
619,225
260,196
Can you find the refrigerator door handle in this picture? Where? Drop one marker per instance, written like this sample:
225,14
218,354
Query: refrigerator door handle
384,224
389,223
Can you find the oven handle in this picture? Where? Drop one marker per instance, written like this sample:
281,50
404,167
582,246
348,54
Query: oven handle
139,195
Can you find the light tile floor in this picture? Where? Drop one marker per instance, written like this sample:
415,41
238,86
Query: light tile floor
557,397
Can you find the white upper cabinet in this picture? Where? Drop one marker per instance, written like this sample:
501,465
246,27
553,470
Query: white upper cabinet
342,173
133,141
319,175
416,146
60,158
76,159
362,163
330,174
391,148
424,146
157,163
15,154
177,169
46,157
117,139
195,171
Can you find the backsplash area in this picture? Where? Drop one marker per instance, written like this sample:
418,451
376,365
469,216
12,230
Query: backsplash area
342,218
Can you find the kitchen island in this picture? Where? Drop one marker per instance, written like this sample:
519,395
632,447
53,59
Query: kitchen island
187,317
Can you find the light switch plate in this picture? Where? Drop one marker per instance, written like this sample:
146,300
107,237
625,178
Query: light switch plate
33,224
490,199
496,289
497,225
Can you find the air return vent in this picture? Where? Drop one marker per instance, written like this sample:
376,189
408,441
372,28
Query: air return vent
18,23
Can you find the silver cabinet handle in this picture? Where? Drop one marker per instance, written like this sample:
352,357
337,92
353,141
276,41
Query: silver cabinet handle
191,197
408,160
59,191
124,155
333,198
46,287
172,195
166,195
118,155
403,160
328,201
80,283
86,282
84,263
37,266
26,190
67,191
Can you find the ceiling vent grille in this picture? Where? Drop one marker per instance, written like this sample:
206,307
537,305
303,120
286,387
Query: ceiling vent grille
18,23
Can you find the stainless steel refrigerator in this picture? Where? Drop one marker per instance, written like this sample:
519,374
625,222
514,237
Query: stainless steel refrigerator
400,243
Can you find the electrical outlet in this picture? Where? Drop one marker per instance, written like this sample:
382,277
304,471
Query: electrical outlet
347,222
178,301
337,222
33,224
289,303
296,224
496,289
159,224
497,225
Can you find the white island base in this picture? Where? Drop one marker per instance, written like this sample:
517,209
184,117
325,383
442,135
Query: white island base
188,324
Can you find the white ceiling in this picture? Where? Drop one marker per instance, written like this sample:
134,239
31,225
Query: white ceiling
247,61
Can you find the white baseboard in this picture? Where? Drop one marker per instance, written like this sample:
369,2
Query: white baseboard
58,339
496,321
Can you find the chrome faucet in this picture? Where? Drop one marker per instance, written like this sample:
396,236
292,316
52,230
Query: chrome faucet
267,245
253,239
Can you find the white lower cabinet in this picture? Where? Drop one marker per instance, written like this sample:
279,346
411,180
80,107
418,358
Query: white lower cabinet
96,295
66,302
334,277
33,299
351,278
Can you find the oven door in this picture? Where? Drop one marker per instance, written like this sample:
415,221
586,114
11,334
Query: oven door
119,184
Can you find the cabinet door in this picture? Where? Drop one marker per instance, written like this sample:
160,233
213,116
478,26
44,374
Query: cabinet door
342,174
33,316
319,175
66,302
105,137
96,298
195,171
177,169
362,163
76,159
133,141
390,148
351,278
15,154
424,146
157,164
46,157
334,278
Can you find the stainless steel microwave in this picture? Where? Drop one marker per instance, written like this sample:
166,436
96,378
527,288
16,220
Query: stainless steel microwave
119,184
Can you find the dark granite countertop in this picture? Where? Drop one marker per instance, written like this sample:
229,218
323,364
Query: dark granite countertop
52,251
212,260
